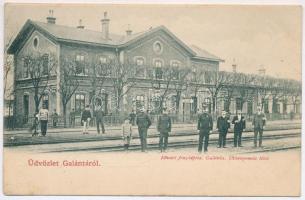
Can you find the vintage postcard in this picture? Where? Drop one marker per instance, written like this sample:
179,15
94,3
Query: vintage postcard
152,99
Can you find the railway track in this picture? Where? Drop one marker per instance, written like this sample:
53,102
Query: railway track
183,143
56,139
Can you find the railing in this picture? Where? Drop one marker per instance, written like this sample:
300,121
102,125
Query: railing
114,120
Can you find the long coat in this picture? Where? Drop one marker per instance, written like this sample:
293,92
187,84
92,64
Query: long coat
143,121
222,124
259,121
239,126
205,122
164,124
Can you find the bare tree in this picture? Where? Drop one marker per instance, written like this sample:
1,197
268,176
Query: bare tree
180,83
162,81
39,70
69,83
122,78
295,92
98,73
245,87
215,82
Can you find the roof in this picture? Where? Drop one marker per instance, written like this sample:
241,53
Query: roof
200,53
73,34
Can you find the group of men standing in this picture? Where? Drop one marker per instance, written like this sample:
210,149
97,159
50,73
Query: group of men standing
205,127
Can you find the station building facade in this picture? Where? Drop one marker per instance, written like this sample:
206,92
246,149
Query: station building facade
149,51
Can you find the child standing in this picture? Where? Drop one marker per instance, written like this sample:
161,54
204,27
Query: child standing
34,125
86,117
127,132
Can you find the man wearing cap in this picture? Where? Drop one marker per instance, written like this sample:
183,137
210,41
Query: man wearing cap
239,126
99,117
204,126
223,124
143,123
259,121
164,127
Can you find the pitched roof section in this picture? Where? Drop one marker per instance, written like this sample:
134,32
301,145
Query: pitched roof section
200,53
73,34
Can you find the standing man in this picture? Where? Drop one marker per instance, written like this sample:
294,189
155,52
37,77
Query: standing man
239,126
143,123
43,116
223,124
99,117
164,127
85,119
259,121
54,118
132,117
72,118
205,126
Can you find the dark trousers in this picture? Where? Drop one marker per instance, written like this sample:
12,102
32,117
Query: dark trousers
258,131
203,135
72,122
143,138
237,138
54,123
98,123
133,121
163,140
44,127
222,139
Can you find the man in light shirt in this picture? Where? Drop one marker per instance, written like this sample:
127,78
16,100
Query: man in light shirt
43,116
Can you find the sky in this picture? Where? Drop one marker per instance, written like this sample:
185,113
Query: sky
251,36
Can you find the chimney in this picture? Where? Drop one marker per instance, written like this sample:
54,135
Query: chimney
128,31
50,18
262,71
105,26
234,66
80,26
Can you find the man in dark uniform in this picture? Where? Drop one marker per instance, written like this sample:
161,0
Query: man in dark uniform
239,126
259,121
223,124
72,118
164,127
99,117
132,117
143,123
205,126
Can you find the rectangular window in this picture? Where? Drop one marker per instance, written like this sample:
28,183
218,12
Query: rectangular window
139,102
79,103
80,65
45,64
25,68
250,107
140,71
104,70
26,105
226,104
103,60
140,61
265,106
175,74
158,73
46,101
158,70
239,104
194,104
